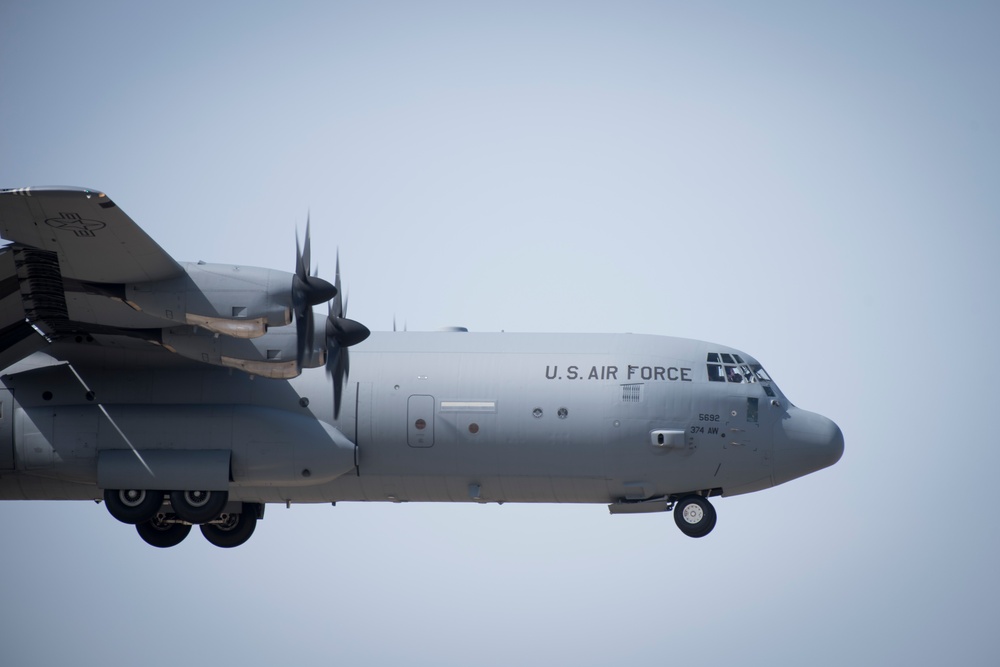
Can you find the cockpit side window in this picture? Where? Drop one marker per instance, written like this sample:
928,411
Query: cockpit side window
715,373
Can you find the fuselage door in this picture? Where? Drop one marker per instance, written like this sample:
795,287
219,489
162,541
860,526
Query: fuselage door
420,417
6,430
742,420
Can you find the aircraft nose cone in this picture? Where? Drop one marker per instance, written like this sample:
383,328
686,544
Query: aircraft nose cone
805,442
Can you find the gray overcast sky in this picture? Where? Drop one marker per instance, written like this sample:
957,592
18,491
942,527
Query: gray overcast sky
814,183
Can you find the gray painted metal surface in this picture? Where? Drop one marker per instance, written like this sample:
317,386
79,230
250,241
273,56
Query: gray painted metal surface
164,469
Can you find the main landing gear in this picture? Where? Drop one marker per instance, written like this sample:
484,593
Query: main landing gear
163,519
694,515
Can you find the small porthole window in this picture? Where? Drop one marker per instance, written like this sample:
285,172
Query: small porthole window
473,428
47,395
563,413
537,413
420,424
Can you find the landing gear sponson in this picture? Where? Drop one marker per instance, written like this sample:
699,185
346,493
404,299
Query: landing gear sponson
163,519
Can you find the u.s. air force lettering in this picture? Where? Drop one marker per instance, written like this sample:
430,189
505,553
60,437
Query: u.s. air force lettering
628,372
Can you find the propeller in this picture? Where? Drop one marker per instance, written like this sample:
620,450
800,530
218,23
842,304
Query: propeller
308,290
341,333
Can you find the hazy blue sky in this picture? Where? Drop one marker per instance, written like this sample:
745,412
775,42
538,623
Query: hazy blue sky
814,183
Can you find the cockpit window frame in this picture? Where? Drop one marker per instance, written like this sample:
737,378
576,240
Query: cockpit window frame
732,368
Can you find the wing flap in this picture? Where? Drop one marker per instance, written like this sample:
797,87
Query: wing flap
18,338
93,238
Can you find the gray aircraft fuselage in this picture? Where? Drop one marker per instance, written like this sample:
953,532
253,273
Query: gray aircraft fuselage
441,416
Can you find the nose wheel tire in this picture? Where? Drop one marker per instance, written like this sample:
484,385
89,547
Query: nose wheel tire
161,532
198,506
233,530
133,506
695,516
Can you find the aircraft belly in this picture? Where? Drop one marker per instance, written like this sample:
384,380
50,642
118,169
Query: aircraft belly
26,486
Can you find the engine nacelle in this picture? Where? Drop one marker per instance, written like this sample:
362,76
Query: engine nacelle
271,356
237,301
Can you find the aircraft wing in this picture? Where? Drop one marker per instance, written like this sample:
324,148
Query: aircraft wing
68,245
80,270
94,240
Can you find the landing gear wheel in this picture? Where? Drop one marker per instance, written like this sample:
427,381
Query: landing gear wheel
234,530
161,532
198,506
695,516
133,505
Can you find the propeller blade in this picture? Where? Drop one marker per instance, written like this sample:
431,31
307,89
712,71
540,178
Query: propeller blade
307,291
306,264
341,333
339,375
338,304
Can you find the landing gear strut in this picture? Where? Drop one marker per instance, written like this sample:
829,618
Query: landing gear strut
226,531
695,516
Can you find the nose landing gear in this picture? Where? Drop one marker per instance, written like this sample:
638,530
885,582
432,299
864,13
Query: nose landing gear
695,516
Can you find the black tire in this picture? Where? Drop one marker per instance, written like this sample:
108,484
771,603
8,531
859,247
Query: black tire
198,506
133,506
234,530
162,533
695,516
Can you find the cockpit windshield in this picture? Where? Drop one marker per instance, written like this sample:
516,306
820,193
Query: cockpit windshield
730,367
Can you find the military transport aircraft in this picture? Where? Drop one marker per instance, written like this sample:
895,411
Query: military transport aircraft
176,393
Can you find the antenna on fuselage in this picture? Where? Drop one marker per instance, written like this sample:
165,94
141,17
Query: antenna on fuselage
104,411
